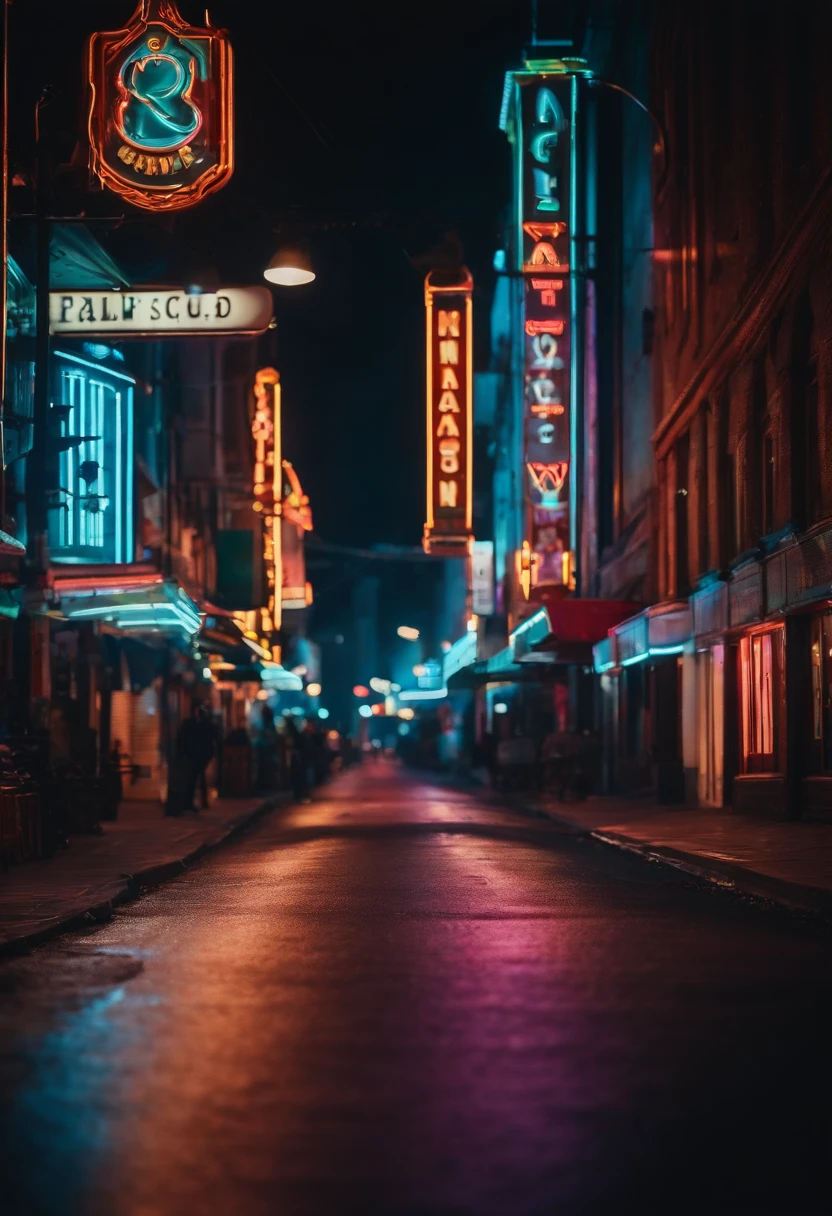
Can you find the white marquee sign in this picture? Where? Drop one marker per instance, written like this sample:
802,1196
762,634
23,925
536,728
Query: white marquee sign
160,312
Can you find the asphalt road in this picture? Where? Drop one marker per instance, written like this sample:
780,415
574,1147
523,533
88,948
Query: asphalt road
405,1000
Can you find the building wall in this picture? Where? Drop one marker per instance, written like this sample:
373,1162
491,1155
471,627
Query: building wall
743,376
742,279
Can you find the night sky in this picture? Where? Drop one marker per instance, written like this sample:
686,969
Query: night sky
344,111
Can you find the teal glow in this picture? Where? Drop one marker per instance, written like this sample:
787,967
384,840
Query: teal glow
159,115
93,394
538,618
96,367
131,540
576,405
119,457
636,658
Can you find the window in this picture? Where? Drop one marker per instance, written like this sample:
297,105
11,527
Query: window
759,666
92,426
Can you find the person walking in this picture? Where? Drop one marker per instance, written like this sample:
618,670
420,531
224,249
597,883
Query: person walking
298,763
197,745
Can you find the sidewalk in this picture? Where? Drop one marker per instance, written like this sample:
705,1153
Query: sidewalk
788,863
85,882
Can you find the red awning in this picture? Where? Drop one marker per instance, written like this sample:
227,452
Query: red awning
577,620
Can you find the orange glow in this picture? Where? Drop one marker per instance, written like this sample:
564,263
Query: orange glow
544,327
360,690
197,157
548,478
268,464
537,231
524,568
104,582
449,437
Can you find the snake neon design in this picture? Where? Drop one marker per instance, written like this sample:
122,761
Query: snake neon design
156,113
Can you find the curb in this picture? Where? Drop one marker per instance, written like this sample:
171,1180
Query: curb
135,884
811,901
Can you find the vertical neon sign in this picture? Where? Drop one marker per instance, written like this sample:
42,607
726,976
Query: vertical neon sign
268,489
544,146
449,414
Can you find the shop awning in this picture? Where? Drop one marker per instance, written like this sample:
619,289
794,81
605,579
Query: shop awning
558,633
10,547
132,601
564,630
661,631
463,654
220,634
275,677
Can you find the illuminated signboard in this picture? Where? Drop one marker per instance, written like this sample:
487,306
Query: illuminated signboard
268,490
545,148
297,520
160,312
160,120
449,414
482,577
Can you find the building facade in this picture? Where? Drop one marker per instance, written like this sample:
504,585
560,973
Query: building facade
739,705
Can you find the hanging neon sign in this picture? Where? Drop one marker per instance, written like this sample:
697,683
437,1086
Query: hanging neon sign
545,220
449,414
161,117
268,492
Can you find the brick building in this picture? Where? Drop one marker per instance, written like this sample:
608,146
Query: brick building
721,689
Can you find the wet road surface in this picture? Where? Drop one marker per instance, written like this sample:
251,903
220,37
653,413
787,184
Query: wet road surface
405,1000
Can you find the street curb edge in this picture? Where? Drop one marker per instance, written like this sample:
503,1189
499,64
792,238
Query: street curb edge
136,884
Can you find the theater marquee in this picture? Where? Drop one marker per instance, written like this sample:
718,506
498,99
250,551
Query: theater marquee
449,414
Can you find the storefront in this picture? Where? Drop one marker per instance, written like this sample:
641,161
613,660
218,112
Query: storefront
120,646
646,710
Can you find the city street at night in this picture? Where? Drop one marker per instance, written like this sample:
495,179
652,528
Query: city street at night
415,608
402,998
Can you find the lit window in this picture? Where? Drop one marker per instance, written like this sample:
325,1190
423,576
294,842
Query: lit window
93,424
759,661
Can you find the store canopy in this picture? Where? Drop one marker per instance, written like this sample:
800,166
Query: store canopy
575,625
661,631
132,601
277,679
10,547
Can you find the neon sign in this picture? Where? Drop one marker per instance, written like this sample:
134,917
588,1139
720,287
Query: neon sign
268,491
160,120
545,222
449,414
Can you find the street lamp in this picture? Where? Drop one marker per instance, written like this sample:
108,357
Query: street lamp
408,633
291,266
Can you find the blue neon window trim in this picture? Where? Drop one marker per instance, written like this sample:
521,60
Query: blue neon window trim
96,367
